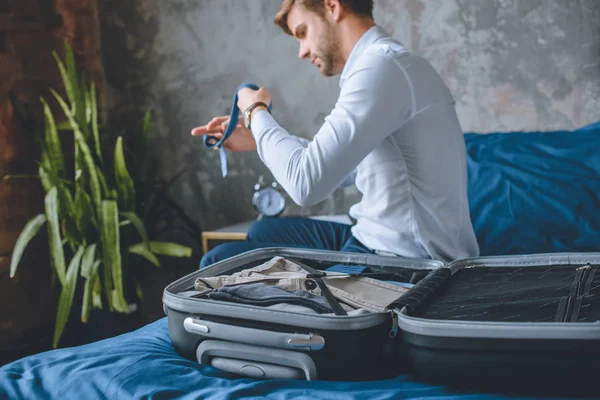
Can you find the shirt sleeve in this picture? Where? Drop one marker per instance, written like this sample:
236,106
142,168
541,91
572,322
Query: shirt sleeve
375,100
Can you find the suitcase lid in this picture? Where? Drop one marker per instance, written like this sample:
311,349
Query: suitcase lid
575,285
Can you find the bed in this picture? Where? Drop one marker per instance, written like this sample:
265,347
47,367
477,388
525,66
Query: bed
535,192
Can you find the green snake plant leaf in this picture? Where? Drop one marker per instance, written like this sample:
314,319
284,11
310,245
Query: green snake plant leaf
45,177
97,291
112,194
66,209
66,296
139,291
142,142
57,255
111,252
89,257
50,177
30,230
79,163
71,71
64,126
53,145
102,180
83,210
78,90
94,116
138,224
19,176
88,291
49,172
91,169
88,106
170,249
141,249
125,186
65,77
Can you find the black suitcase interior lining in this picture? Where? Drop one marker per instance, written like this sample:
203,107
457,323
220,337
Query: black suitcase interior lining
509,294
519,324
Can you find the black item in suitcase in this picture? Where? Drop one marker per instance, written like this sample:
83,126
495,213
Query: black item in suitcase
517,323
262,343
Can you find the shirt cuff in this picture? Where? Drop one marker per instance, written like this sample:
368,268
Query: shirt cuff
262,120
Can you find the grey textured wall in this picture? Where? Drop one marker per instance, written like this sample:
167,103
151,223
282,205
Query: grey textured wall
511,64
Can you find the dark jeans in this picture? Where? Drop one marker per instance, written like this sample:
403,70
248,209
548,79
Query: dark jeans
289,232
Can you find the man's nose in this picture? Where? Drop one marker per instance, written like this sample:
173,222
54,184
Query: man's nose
303,53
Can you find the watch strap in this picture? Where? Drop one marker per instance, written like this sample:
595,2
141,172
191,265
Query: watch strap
248,112
254,105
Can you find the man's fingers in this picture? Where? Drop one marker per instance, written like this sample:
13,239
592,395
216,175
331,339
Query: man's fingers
199,131
213,127
204,130
216,122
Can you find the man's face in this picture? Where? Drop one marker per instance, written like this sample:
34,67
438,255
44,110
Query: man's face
318,39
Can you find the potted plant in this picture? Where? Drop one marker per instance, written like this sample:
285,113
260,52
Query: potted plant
91,209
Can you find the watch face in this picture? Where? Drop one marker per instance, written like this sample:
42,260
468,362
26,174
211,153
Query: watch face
269,202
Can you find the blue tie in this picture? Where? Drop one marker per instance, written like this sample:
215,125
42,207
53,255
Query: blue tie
211,141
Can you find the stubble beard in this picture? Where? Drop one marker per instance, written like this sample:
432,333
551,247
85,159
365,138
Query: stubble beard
330,56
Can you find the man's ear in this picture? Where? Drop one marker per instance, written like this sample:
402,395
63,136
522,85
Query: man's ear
334,10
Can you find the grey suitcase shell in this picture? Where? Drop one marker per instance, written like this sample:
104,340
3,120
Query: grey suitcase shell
260,343
522,323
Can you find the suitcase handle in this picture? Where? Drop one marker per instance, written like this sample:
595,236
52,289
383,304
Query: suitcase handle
256,362
232,333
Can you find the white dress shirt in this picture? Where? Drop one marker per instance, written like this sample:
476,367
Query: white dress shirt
395,127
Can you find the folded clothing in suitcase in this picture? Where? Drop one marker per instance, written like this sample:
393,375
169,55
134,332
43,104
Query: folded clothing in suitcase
314,322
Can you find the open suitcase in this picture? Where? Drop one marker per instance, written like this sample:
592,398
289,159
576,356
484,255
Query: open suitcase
501,321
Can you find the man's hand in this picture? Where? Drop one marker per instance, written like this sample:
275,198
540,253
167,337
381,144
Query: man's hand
240,140
247,97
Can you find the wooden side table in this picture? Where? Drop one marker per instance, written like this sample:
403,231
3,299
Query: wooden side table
226,234
240,231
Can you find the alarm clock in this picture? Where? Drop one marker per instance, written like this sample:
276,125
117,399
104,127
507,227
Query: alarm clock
268,200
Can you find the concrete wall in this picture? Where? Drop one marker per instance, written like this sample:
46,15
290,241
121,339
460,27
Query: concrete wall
511,64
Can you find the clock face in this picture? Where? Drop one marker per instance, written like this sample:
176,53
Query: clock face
269,202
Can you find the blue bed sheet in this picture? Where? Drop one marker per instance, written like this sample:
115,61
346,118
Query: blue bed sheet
144,365
536,192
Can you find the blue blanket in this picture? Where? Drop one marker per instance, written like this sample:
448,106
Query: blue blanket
144,364
529,193
535,192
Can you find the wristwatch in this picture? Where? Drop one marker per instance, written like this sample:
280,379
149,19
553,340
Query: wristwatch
248,112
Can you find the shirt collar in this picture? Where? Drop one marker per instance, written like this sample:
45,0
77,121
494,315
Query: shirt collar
371,36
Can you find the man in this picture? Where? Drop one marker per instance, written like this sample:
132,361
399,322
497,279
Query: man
394,129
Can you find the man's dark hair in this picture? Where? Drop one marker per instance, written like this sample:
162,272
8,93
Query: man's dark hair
358,7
